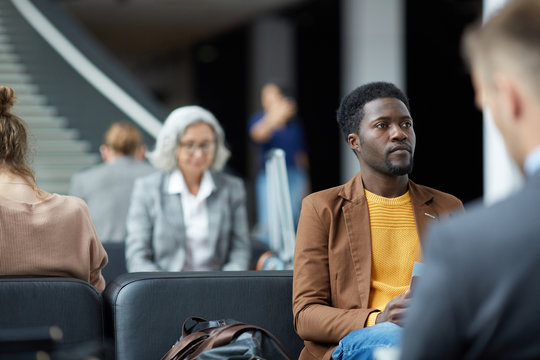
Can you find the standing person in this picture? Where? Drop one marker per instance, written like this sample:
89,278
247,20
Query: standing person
107,187
190,215
40,233
278,126
479,295
357,243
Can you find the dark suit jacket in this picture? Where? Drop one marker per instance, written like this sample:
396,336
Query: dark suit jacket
479,296
332,263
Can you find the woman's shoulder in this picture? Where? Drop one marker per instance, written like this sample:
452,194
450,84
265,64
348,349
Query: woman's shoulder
225,179
154,177
68,202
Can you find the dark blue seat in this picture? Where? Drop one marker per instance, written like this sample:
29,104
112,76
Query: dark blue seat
117,261
28,305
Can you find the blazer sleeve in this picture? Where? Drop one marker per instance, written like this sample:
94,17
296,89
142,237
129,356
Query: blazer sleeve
240,245
435,304
315,319
139,225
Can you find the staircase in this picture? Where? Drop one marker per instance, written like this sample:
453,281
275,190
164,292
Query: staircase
57,151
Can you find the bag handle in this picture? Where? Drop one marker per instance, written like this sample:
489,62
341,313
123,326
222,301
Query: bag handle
224,335
197,319
188,343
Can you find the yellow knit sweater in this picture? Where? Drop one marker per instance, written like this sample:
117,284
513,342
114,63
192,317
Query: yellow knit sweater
395,248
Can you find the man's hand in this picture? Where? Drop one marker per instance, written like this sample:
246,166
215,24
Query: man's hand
395,309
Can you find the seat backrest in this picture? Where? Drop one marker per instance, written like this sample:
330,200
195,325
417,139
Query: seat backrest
35,302
147,309
117,260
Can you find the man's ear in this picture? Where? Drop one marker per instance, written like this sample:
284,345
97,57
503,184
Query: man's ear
478,92
354,141
511,94
104,150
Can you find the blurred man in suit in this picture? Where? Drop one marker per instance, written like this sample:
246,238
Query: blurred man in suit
107,187
478,298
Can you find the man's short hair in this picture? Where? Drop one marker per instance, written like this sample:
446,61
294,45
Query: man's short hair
123,138
512,33
351,109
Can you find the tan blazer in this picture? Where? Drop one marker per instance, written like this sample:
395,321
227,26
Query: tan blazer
332,262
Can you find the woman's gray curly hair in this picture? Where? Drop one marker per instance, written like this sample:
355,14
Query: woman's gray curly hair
164,155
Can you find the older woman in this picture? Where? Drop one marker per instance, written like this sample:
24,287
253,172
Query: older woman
190,216
40,233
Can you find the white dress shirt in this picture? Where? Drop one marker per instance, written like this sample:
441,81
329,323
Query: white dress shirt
199,255
532,162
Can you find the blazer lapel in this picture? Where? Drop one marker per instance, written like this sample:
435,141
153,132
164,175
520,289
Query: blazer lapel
214,208
356,215
424,213
173,213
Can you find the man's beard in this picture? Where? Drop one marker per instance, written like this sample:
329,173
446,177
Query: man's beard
399,170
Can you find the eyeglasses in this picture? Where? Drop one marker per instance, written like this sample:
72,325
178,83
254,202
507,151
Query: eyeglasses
191,148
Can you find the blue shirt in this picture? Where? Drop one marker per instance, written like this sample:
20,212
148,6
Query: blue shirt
290,139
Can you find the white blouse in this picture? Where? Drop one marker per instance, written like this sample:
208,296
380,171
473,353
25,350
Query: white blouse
198,252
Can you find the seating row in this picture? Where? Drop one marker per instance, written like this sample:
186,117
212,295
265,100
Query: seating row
139,315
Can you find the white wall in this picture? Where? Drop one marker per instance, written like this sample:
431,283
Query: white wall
370,52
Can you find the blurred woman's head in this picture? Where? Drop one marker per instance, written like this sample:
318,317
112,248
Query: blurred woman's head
13,138
191,139
123,138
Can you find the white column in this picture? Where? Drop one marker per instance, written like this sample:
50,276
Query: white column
501,175
372,49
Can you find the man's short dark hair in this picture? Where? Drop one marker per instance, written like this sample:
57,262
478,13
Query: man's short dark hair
351,109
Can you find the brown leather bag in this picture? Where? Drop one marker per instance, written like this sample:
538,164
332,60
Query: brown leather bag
223,339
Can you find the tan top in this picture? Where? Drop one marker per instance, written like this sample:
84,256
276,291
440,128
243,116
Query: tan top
52,237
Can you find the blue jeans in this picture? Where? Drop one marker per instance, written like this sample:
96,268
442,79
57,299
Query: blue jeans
360,344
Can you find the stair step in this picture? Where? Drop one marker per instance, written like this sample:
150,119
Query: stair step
30,99
11,67
15,78
55,174
24,110
38,121
22,88
6,47
55,134
60,146
6,57
84,160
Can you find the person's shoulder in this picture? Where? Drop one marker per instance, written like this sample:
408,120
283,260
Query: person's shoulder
438,195
326,195
154,177
497,222
225,179
145,166
88,173
70,203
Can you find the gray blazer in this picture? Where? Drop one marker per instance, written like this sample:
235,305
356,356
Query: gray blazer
106,188
478,297
156,229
